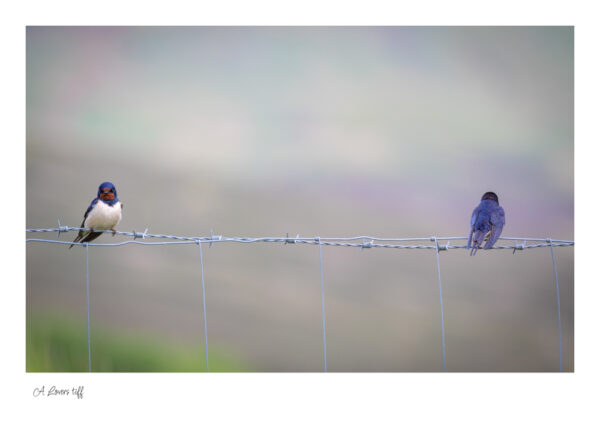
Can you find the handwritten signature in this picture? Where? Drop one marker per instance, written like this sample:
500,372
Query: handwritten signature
59,392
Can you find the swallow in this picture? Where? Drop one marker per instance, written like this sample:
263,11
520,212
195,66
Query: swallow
487,222
104,213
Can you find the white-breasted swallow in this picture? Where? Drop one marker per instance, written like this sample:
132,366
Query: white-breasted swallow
104,213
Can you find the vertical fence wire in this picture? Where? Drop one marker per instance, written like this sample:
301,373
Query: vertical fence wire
87,286
323,305
437,255
204,306
557,307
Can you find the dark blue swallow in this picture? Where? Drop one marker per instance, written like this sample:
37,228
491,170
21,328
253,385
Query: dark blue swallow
104,213
487,222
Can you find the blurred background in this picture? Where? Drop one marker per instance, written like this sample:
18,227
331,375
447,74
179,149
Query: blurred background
317,131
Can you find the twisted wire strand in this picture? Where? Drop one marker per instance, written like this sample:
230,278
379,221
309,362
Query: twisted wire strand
366,241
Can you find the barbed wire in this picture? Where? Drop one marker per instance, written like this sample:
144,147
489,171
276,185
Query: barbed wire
366,241
519,243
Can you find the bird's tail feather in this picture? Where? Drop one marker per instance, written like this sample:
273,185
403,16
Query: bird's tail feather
75,241
79,236
478,237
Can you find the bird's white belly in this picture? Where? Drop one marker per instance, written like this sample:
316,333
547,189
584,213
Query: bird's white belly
103,216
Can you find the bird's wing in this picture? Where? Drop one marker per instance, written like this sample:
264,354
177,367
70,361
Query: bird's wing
473,219
498,220
90,207
91,236
82,233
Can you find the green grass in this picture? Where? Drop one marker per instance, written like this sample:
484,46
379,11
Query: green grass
60,345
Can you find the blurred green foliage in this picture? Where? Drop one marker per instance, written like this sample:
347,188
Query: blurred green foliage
56,344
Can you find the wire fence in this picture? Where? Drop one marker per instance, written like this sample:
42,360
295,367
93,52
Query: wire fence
362,242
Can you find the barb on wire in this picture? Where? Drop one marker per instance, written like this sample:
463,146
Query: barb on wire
137,235
61,229
361,242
